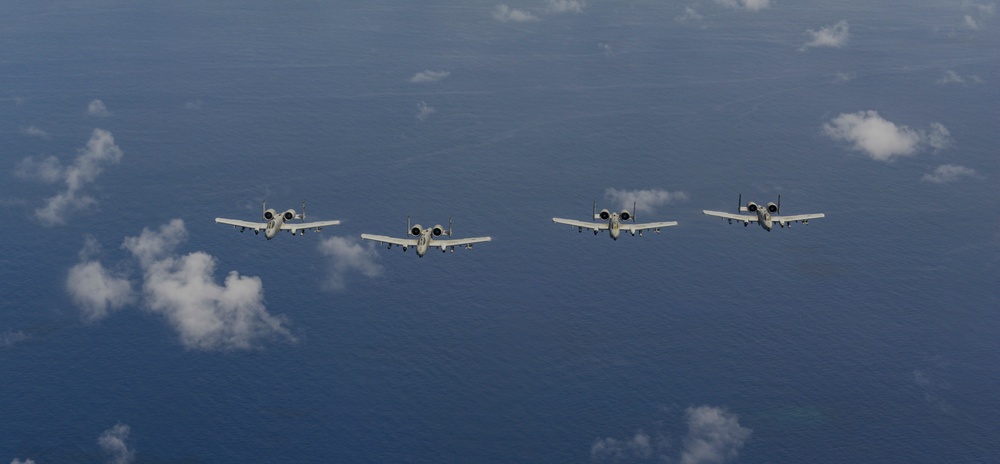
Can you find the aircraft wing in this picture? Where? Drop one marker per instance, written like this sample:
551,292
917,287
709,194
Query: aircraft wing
582,224
295,226
247,224
731,217
649,225
797,218
467,242
390,240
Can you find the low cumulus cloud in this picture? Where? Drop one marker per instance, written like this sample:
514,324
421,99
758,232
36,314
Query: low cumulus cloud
690,14
842,77
834,35
637,448
750,5
645,200
429,76
97,291
564,6
88,165
98,108
976,14
504,13
882,140
182,289
947,173
952,77
714,436
26,461
34,131
114,443
10,338
348,256
208,316
424,110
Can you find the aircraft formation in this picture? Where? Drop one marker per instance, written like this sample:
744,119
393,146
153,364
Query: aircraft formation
425,239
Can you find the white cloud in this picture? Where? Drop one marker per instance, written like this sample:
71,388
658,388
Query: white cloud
834,35
47,169
646,200
11,338
208,316
611,449
751,5
690,14
504,13
951,77
100,150
842,77
34,131
96,291
113,442
949,173
348,256
424,111
565,6
880,139
97,108
26,461
977,13
938,138
429,76
714,436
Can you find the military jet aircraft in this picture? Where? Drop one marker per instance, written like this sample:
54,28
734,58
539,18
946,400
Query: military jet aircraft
278,222
614,223
426,239
763,215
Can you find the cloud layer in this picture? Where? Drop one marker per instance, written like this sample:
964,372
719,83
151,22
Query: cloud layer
96,291
113,443
645,200
751,5
947,173
504,13
424,110
869,133
87,166
97,108
834,35
429,76
714,436
565,6
207,315
182,289
348,256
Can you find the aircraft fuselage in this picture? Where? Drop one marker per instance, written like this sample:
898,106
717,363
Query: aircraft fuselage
614,226
274,226
424,243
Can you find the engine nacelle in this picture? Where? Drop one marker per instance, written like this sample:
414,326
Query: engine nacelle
289,215
437,230
604,214
270,214
625,215
772,208
416,230
752,207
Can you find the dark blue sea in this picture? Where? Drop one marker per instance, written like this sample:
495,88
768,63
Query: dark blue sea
871,335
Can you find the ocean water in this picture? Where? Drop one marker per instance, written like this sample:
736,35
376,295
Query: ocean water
867,336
